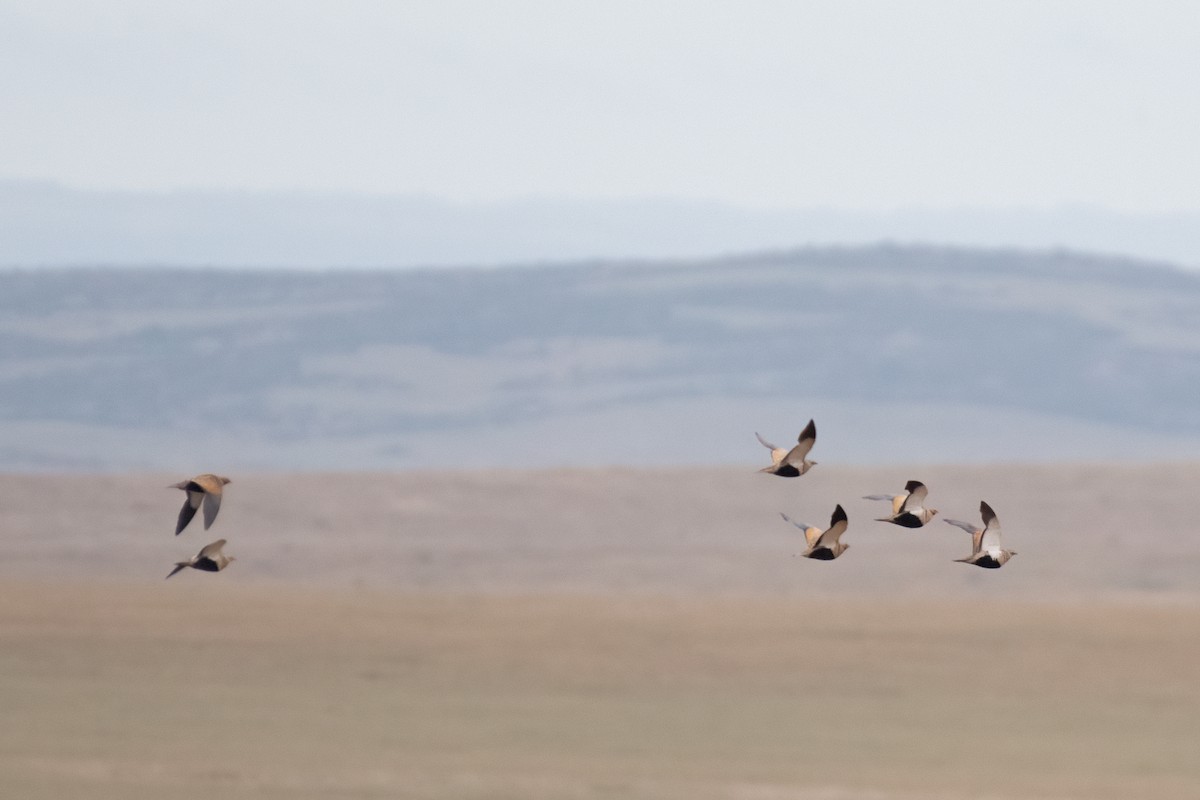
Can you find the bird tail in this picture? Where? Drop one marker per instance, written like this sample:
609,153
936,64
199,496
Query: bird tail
178,566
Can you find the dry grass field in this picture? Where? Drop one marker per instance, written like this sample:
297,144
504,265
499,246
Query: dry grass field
255,692
1082,531
600,634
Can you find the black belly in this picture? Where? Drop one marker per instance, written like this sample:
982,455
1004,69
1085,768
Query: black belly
908,521
987,562
824,554
787,471
207,565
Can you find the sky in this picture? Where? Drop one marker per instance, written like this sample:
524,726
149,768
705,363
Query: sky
870,106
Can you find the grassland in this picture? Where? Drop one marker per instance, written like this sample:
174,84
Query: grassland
209,690
600,634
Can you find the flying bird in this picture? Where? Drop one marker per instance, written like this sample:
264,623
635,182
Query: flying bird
823,545
907,510
203,489
791,463
209,559
986,551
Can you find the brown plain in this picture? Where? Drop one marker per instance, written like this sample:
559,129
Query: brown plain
601,634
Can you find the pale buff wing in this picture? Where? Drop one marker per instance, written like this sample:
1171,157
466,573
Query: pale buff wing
777,453
897,500
837,526
990,536
976,533
915,497
805,442
811,534
212,550
764,442
212,504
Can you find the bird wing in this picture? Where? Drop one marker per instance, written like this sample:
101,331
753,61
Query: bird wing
178,566
778,454
897,500
966,526
190,504
810,533
989,516
799,525
211,550
990,537
837,526
212,504
916,495
809,434
764,442
805,442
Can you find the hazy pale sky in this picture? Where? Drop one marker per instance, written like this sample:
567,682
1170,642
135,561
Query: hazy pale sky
867,105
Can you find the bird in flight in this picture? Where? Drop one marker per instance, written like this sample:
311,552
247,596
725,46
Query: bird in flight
791,463
986,551
209,559
907,508
201,490
823,545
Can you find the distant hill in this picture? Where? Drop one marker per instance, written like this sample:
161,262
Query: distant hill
903,355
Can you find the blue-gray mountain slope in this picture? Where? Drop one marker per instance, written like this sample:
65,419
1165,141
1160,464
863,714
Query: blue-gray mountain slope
904,354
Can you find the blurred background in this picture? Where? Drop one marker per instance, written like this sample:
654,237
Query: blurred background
480,306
